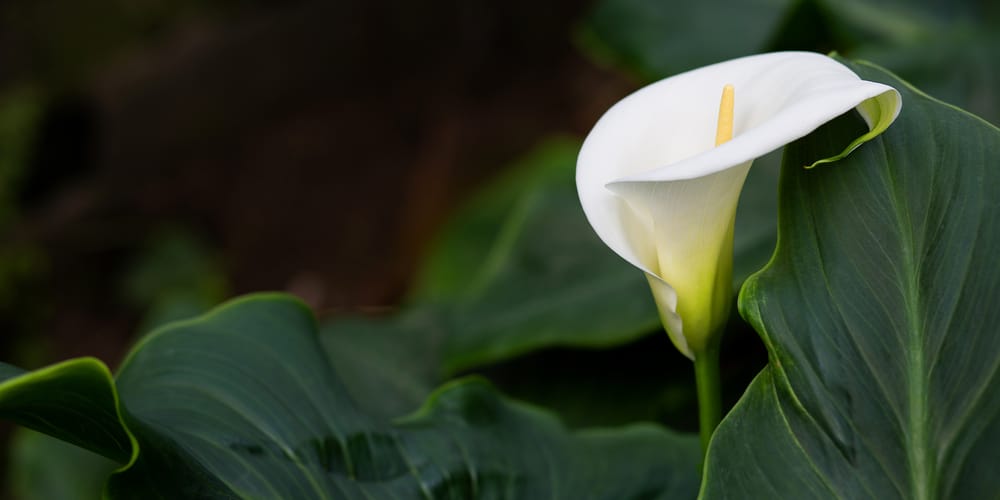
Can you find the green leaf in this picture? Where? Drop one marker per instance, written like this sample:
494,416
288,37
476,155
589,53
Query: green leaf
478,236
522,270
949,49
388,364
879,312
953,63
659,39
518,270
901,22
242,403
74,401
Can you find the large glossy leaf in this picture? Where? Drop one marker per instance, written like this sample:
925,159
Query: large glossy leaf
879,311
243,403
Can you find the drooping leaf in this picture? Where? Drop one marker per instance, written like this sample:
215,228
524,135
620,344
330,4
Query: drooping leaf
243,403
879,311
73,401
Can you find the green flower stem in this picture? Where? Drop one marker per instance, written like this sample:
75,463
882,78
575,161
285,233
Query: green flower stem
706,377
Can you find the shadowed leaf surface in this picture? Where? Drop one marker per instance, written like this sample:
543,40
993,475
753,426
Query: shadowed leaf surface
243,403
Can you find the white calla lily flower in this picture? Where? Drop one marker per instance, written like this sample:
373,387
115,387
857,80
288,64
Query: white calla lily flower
659,192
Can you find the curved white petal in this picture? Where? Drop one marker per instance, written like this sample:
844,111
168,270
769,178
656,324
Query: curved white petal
660,193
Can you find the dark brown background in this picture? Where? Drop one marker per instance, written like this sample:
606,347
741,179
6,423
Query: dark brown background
314,146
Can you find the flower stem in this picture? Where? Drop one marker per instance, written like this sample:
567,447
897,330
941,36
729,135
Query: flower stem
706,376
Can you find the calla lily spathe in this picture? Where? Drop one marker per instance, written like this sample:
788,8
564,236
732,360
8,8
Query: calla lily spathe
662,195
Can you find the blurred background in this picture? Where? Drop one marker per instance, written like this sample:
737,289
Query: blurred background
160,156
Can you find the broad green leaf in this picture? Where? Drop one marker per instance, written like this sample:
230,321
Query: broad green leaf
243,403
879,311
73,401
659,39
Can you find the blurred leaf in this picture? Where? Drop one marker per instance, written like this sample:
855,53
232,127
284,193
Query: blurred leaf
21,109
391,364
461,258
900,22
174,277
519,271
242,403
19,264
659,39
45,468
523,270
947,49
550,282
879,313
955,64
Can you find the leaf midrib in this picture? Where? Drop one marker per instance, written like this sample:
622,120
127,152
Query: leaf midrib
917,438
